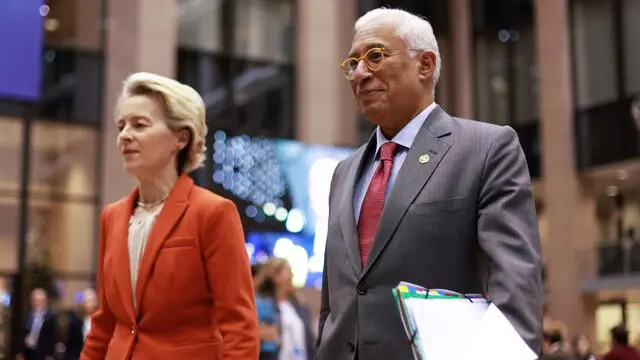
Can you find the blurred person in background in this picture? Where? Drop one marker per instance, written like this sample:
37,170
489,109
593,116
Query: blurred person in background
285,321
582,348
553,346
620,349
255,272
79,324
174,280
41,329
435,200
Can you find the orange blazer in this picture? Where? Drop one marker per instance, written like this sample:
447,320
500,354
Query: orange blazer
194,291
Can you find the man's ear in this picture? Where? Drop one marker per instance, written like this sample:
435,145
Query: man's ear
427,60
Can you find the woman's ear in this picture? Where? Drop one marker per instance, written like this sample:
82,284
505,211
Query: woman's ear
184,137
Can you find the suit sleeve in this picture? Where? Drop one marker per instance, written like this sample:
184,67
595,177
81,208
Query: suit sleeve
229,276
508,234
324,303
103,321
51,335
325,310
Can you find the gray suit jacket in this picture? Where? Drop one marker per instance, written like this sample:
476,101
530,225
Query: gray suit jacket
464,221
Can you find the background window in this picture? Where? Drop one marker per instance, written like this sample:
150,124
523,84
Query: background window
525,76
10,155
200,25
264,29
62,205
631,36
505,62
594,48
607,316
492,84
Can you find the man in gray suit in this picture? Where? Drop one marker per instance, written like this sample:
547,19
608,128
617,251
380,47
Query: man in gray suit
431,199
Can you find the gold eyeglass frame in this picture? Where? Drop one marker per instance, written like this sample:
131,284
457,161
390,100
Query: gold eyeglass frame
382,51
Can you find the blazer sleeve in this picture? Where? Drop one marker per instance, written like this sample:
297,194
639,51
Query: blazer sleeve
508,235
103,321
229,276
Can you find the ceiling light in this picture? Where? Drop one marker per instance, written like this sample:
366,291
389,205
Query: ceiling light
51,25
622,174
44,10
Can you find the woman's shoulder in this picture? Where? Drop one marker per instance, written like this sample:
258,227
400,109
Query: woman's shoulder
206,198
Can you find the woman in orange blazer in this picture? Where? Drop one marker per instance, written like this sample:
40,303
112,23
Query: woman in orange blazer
174,279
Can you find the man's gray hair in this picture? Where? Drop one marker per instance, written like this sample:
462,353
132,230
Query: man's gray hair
416,32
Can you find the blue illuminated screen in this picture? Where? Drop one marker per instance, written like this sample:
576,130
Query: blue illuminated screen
262,172
21,32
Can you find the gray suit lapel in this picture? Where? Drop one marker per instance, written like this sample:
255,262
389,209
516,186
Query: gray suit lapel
412,177
347,216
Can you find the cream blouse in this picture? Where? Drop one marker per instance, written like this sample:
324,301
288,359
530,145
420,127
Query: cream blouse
140,226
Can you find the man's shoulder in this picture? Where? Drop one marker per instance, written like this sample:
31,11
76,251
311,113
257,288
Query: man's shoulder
468,126
351,158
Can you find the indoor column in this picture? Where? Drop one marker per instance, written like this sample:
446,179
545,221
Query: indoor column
461,51
141,36
326,110
569,210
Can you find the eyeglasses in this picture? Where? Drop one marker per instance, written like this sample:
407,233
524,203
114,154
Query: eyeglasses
373,59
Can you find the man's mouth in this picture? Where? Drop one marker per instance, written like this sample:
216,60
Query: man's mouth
368,92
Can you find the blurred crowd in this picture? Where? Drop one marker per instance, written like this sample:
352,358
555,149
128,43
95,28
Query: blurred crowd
556,346
56,334
288,329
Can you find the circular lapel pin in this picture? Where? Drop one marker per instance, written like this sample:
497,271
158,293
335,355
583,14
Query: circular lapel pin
423,159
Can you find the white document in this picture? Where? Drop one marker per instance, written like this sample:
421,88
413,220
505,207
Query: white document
458,329
496,339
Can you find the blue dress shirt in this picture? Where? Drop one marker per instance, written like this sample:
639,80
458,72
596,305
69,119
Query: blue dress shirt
404,138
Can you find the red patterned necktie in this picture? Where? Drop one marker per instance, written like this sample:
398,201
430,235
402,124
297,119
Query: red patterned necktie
373,202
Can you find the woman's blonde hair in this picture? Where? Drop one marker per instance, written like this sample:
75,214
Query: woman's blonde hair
183,107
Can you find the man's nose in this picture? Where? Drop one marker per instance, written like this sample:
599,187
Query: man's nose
361,72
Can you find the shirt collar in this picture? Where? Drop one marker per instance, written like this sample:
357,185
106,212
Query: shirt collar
408,133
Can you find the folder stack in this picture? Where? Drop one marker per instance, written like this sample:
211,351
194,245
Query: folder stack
446,325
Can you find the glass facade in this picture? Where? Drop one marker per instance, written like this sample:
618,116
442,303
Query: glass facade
11,145
72,61
506,71
505,62
606,80
62,201
49,180
239,56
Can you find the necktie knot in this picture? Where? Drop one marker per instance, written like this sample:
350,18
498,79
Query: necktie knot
388,151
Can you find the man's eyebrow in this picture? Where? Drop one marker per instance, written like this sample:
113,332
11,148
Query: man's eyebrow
368,47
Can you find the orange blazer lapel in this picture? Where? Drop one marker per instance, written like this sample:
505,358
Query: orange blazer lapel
174,207
121,217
